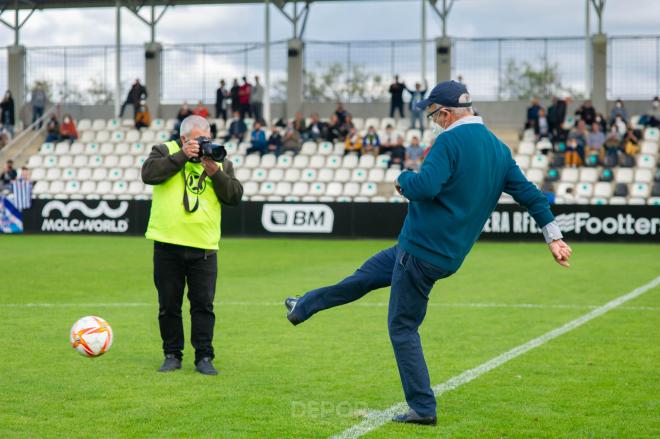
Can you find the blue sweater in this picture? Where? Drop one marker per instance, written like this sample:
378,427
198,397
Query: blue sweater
455,191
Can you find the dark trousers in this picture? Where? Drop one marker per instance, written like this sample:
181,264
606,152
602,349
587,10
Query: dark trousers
411,280
126,104
245,110
174,266
395,105
220,112
37,112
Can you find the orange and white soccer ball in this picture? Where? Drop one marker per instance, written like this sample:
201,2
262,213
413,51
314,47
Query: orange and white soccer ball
91,336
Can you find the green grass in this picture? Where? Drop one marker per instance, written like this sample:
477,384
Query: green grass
317,379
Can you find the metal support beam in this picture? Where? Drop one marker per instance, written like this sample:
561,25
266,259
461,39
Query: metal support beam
442,13
117,56
18,24
423,27
599,6
266,115
587,50
153,20
296,17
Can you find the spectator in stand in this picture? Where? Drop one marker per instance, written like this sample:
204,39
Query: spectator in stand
244,92
275,142
533,114
353,142
347,125
552,117
595,141
371,142
201,110
53,129
9,174
612,143
389,140
257,140
586,113
630,143
184,111
39,100
581,134
136,94
619,110
620,125
571,157
542,126
143,116
334,129
600,120
397,153
396,100
291,141
299,123
414,155
221,99
7,113
257,100
316,129
22,190
652,117
234,94
341,113
68,129
416,114
561,109
237,128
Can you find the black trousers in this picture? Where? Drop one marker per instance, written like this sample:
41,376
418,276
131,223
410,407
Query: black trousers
174,266
395,105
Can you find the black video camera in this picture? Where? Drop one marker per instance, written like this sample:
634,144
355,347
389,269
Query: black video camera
209,149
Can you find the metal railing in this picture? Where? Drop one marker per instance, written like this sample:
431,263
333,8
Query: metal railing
27,135
353,71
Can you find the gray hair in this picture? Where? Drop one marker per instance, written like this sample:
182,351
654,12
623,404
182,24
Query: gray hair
462,111
192,122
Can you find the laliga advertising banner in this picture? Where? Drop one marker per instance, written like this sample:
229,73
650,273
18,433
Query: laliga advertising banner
344,220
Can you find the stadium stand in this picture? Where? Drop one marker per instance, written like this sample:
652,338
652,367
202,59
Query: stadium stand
105,164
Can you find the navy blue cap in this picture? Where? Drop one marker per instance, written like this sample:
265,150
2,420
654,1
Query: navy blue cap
447,94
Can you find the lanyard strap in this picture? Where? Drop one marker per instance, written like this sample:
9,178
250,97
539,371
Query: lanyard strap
200,182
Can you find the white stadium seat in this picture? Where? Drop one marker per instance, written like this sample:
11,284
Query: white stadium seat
122,148
34,162
383,161
334,189
391,175
111,161
376,175
243,174
115,174
84,174
107,148
53,174
132,174
69,174
603,189
102,136
350,161
317,161
646,161
522,161
584,190
72,187
368,189
570,175
326,175
100,174
87,187
64,161
38,174
308,148
92,148
62,148
238,160
283,188
342,175
47,148
250,188
300,161
259,174
77,148
351,189
292,175
642,190
49,160
367,161
527,148
300,189
359,175
309,175
267,188
649,147
268,161
317,189
325,148
624,175
333,162
588,175
251,161
643,175
652,134
99,124
276,174
88,136
83,125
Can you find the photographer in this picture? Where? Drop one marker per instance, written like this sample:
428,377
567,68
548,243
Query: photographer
192,180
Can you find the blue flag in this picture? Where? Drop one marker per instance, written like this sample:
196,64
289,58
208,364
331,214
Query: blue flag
11,220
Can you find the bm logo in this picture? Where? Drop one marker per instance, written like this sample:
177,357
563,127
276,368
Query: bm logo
297,218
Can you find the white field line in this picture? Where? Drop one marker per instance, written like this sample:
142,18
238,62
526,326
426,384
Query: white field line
364,305
378,418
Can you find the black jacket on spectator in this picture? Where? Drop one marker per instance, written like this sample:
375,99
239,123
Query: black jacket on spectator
7,110
588,115
136,94
396,90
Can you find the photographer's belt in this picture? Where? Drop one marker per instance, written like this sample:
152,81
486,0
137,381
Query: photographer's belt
200,182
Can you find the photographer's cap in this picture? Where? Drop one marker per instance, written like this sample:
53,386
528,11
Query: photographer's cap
447,94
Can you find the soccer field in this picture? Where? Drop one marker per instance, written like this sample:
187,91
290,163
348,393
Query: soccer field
318,379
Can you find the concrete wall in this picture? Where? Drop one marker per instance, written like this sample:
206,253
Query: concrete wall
499,115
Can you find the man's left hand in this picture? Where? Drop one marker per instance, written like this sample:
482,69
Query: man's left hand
210,166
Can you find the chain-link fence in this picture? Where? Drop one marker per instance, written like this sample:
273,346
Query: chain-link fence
193,72
494,69
633,67
3,70
82,74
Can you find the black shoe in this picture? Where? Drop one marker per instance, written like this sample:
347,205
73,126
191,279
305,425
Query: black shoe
290,304
205,366
170,364
411,417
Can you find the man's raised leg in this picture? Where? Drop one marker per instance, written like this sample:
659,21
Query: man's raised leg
375,273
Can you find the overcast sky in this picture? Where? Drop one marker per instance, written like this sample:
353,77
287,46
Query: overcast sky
340,21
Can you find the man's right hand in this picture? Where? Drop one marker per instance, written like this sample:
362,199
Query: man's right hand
191,148
561,252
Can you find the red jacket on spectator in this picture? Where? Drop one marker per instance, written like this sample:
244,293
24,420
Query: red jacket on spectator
244,94
68,129
201,111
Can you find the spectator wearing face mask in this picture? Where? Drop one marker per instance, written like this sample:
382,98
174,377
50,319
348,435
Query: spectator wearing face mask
237,128
291,141
353,142
414,154
53,129
389,139
619,110
371,142
68,129
397,153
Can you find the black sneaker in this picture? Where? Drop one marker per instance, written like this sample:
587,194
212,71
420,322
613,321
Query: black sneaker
290,304
411,417
205,366
170,364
